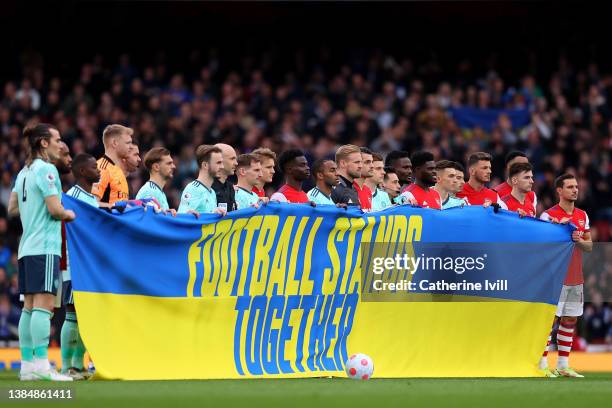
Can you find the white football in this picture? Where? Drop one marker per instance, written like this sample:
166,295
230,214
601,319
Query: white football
359,367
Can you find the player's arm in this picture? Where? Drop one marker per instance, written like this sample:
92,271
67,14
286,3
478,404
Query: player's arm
57,210
583,241
46,179
13,206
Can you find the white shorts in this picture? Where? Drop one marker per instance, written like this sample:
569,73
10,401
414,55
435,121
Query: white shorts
571,301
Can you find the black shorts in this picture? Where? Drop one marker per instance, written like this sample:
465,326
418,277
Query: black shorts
39,274
67,293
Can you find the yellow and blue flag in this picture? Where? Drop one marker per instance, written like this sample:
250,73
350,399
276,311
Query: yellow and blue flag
284,291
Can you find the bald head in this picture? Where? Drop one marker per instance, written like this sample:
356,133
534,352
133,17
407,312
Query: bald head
230,160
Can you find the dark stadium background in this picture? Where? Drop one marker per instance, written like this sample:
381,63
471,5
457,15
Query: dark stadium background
457,42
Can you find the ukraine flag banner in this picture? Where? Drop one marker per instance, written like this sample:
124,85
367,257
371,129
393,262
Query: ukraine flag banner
292,291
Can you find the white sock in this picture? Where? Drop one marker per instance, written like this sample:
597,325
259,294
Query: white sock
41,365
27,367
543,363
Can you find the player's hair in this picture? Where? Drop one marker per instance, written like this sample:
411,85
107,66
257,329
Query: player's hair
35,134
79,161
459,167
245,160
154,156
114,130
419,158
345,151
477,157
518,168
376,157
513,155
265,152
445,164
394,156
204,152
317,167
389,170
287,157
365,150
559,181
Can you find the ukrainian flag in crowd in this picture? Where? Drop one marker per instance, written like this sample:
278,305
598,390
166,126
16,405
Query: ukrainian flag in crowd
280,292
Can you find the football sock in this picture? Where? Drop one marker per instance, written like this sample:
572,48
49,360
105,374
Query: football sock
41,329
68,339
544,359
79,351
565,336
25,336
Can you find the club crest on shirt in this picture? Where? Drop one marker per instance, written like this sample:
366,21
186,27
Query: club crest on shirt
50,177
581,223
187,196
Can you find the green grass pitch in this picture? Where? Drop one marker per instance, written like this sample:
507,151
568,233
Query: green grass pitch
593,391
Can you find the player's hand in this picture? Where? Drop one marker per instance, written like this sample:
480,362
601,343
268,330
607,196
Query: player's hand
564,220
521,212
171,211
255,205
222,212
195,213
312,203
486,204
264,200
69,215
577,236
342,205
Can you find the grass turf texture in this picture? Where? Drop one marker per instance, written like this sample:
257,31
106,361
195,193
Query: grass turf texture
593,391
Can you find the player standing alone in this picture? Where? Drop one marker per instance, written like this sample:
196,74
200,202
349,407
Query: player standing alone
571,301
36,198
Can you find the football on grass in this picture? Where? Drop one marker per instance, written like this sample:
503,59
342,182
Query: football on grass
359,367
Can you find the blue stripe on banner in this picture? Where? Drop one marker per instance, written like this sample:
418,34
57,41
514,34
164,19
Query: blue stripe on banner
154,255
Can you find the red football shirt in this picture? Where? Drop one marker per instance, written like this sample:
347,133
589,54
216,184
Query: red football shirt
260,193
514,205
581,220
505,189
365,196
477,197
429,198
288,194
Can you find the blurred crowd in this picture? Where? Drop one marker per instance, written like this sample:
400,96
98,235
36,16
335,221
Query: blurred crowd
380,101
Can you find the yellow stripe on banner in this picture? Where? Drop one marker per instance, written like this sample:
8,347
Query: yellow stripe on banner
443,339
144,337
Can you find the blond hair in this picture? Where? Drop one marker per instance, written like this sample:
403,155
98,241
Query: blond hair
345,151
264,152
112,131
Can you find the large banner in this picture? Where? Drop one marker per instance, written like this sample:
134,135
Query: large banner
293,291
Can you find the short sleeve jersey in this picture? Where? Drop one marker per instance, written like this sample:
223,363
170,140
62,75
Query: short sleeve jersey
197,197
318,197
380,200
42,234
150,189
245,198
